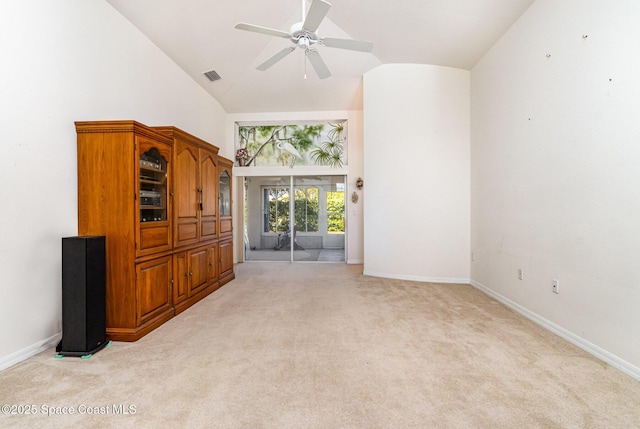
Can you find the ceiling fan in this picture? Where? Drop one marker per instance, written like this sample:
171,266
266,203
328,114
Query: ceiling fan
304,36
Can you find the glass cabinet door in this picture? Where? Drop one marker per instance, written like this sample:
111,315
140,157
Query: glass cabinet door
225,194
224,202
153,233
153,187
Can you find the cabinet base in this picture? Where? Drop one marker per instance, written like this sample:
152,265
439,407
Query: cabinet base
128,335
185,304
226,279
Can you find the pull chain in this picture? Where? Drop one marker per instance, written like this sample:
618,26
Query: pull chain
305,52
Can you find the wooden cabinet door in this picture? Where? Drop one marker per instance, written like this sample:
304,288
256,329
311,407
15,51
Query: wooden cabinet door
213,263
198,270
226,258
186,196
208,185
181,277
153,288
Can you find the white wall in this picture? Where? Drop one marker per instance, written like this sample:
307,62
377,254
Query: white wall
66,61
556,172
416,161
353,170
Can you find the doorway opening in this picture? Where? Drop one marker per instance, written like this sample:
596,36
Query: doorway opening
295,218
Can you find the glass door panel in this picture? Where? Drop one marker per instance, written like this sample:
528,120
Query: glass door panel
153,187
266,219
224,194
319,230
300,218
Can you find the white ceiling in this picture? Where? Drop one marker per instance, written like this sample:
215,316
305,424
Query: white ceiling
199,35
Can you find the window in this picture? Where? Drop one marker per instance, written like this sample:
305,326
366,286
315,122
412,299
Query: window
276,209
306,209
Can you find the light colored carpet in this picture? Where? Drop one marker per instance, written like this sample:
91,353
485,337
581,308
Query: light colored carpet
321,346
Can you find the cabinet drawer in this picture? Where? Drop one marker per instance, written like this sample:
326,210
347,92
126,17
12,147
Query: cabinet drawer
154,237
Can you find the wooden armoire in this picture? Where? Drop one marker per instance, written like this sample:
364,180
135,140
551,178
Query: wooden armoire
162,198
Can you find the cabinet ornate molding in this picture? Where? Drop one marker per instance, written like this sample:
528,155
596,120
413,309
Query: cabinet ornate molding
162,199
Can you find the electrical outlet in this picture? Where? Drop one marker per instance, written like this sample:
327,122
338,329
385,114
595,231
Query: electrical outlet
555,286
520,274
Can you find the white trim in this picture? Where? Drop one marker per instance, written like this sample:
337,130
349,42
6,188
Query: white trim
417,278
29,351
574,339
355,261
298,170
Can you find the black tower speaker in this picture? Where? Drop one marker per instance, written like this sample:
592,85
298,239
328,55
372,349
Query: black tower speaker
84,325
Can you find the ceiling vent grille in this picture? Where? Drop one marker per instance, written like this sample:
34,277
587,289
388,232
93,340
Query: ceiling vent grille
212,75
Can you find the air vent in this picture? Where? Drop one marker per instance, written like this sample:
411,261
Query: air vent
212,75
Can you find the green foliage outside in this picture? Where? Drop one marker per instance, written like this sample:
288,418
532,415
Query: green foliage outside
278,210
335,211
306,210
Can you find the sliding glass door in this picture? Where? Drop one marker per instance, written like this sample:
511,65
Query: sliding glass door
319,218
295,218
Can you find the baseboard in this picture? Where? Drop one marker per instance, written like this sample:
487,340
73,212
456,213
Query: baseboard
416,278
574,339
355,261
27,352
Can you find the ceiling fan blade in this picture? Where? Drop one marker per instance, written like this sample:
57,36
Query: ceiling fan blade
277,57
263,30
352,45
317,12
318,65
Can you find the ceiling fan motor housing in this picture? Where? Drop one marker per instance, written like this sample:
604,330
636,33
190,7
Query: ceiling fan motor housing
302,38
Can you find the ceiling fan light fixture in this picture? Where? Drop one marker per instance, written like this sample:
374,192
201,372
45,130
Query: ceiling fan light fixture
304,43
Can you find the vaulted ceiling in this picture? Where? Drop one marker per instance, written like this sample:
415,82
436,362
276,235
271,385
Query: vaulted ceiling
199,35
